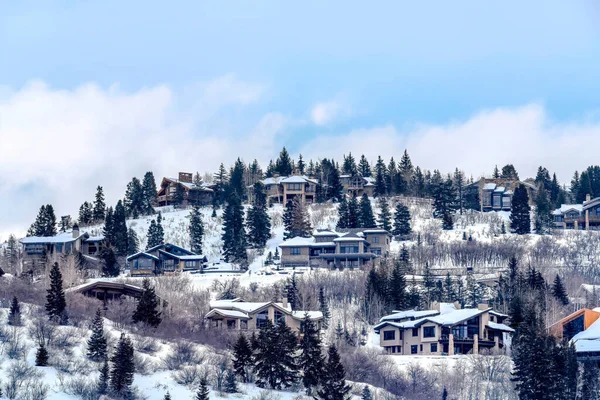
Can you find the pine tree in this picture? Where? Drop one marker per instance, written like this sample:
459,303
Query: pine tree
234,234
203,392
342,214
102,386
108,261
133,242
310,360
449,292
109,227
397,288
156,234
366,217
380,173
179,197
366,394
14,313
147,307
324,308
221,180
509,172
123,367
334,385
275,362
242,357
353,213
300,164
385,216
167,396
196,230
559,292
134,198
445,394
589,381
292,293
284,165
406,167
99,210
120,229
96,345
349,166
230,383
402,221
444,202
364,168
259,223
41,356
520,221
85,214
334,184
45,223
543,212
298,224
55,300
149,193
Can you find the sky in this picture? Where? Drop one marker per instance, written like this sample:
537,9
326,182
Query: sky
96,92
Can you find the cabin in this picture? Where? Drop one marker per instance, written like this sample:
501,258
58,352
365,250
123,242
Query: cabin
446,329
584,216
240,315
282,189
196,194
357,185
329,249
165,258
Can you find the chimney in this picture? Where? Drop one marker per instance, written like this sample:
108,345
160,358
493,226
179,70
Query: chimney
284,302
588,197
483,306
435,306
75,231
185,177
457,305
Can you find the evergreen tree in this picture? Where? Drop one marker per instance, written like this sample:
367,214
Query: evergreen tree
324,308
242,357
55,299
134,198
259,223
179,197
167,396
203,392
102,386
543,212
41,356
237,185
275,363
474,291
402,221
334,385
85,214
301,165
310,361
109,227
366,217
353,213
385,216
449,292
509,172
14,313
284,165
380,173
155,233
221,180
230,383
364,168
45,223
459,186
559,291
120,229
343,214
149,193
520,221
133,242
292,293
503,228
366,394
196,230
496,173
147,307
349,166
99,210
96,345
397,288
234,234
589,381
297,222
429,286
108,261
444,203
123,367
334,184
406,166
445,394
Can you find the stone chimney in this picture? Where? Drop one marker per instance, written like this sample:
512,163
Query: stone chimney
588,197
75,231
483,306
185,177
284,302
435,306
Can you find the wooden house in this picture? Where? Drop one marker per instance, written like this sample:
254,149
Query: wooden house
198,194
164,259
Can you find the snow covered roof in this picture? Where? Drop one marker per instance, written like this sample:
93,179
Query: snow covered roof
499,189
312,315
95,239
142,254
227,313
294,179
409,314
401,325
489,186
565,208
322,244
272,180
191,186
589,204
588,340
498,314
454,317
298,241
500,327
375,231
369,179
63,237
236,308
192,257
325,233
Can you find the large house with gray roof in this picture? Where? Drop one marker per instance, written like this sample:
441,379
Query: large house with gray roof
193,193
584,216
446,329
357,185
329,249
164,259
281,189
495,194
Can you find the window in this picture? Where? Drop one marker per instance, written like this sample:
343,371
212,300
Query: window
389,335
415,332
191,264
348,249
261,319
231,324
375,239
295,251
429,331
399,349
393,349
279,317
243,324
376,250
294,186
420,347
414,349
433,347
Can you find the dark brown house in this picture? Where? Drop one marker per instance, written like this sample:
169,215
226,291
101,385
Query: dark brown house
199,193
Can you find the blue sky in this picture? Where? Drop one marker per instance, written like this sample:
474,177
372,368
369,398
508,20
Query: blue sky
298,73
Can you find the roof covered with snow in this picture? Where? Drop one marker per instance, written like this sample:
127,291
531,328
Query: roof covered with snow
456,316
500,327
592,203
298,241
565,208
409,314
63,237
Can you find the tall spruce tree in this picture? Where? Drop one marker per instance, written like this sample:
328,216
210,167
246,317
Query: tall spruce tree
234,233
520,219
297,223
559,292
179,197
401,221
444,203
203,391
353,213
123,367
324,307
155,233
397,297
342,214
108,262
230,383
366,217
364,168
45,223
301,165
147,310
221,180
242,357
284,165
310,360
109,227
334,385
85,214
55,299
41,356
274,358
149,193
14,313
258,221
385,216
99,210
380,174
590,388
196,230
120,229
134,198
96,345
103,379
133,242
543,212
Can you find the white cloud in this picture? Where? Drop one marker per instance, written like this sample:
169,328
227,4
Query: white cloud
524,136
326,112
56,146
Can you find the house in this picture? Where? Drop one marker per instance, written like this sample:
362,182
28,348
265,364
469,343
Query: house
357,185
495,194
193,193
329,249
240,315
164,258
37,248
582,328
281,189
446,329
578,216
109,290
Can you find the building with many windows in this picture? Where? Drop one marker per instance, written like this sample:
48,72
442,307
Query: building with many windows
281,189
495,194
446,329
193,193
578,216
164,258
357,185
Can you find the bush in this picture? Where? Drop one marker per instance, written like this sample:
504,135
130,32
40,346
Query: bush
80,387
184,353
143,365
145,344
190,376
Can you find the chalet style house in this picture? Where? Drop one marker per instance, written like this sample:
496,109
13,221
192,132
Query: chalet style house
164,259
328,249
192,194
496,194
357,185
237,314
446,329
37,248
281,189
578,216
582,328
